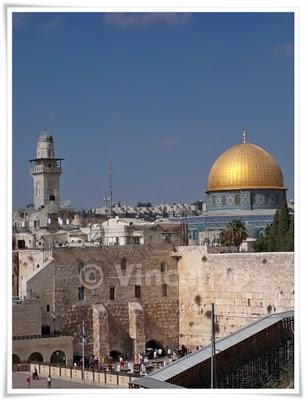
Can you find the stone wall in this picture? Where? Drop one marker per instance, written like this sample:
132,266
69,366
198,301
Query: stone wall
25,264
243,286
99,269
27,318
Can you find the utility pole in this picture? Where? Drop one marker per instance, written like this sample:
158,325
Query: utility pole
213,349
83,350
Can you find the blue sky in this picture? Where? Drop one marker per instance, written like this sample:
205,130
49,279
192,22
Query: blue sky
161,95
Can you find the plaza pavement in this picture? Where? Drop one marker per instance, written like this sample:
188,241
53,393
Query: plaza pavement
19,382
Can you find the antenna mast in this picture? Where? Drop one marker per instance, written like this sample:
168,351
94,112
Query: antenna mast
111,188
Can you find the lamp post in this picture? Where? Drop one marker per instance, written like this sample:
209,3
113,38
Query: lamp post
83,350
213,339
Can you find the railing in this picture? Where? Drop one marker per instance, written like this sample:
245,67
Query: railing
42,169
21,367
97,377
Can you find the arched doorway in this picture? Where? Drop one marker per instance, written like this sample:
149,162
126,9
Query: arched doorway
35,357
58,357
151,345
45,330
16,359
115,355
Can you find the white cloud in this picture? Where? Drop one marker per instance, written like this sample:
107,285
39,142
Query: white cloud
127,20
171,141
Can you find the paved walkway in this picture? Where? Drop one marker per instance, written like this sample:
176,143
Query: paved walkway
19,382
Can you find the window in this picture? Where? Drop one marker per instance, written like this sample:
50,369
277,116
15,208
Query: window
80,266
81,293
162,266
137,291
136,240
123,264
48,307
164,290
112,293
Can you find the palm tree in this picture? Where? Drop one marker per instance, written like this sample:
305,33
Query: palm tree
233,234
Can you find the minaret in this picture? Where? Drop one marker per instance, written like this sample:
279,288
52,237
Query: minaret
46,171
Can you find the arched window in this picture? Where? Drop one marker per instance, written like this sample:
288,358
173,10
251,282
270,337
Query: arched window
80,266
123,264
162,266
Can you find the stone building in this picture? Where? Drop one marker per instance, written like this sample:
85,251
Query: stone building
124,231
33,341
127,296
133,297
45,212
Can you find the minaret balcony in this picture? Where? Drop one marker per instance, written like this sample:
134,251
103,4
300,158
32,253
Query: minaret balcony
42,169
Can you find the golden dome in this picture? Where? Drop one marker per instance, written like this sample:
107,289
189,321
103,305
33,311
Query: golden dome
245,166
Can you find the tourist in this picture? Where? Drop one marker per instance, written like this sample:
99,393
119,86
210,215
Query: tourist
35,374
143,369
49,381
160,352
155,354
28,381
169,352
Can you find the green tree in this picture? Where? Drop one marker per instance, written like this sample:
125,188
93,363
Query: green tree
233,234
279,236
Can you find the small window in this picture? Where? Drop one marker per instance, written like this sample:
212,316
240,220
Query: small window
112,293
123,264
80,266
48,307
37,266
162,266
81,293
137,291
164,290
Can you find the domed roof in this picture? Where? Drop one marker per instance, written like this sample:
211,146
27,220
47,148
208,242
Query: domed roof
46,137
245,166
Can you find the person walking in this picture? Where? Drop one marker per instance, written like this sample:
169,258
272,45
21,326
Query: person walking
28,379
49,381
